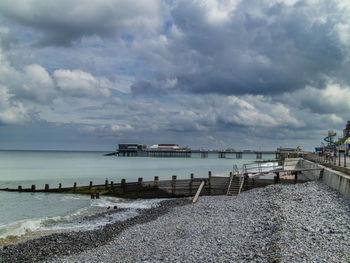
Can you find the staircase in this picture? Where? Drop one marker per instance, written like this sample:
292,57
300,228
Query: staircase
235,185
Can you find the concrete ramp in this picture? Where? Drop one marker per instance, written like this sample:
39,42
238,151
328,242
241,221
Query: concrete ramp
291,164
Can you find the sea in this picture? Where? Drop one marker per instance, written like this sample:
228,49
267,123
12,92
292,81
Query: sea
27,215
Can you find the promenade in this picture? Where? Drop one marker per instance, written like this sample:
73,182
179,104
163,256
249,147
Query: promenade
340,164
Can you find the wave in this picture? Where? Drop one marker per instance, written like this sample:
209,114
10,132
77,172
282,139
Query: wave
99,213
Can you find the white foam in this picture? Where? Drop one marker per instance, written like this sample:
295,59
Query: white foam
20,228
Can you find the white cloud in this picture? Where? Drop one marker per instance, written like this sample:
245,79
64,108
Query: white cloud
78,83
11,112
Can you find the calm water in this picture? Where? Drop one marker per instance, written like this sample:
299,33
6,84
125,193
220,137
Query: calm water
25,214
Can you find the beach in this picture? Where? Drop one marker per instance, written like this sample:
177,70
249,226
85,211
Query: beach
280,223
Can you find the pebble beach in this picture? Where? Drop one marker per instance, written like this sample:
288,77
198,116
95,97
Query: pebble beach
280,223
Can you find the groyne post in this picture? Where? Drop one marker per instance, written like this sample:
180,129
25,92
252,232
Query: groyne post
20,188
47,187
59,187
112,183
90,186
75,187
156,180
173,184
92,196
33,188
97,195
123,184
139,183
106,184
209,182
191,182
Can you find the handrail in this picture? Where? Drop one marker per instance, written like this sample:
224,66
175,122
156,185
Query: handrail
229,186
240,187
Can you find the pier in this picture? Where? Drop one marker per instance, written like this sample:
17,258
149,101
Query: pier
196,154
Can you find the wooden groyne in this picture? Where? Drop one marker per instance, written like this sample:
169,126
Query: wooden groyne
213,185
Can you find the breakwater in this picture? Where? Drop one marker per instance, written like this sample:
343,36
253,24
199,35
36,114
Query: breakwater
213,185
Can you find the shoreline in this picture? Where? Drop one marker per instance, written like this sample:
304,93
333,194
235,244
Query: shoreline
307,222
49,247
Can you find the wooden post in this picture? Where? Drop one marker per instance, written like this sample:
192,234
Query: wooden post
33,188
209,182
123,184
112,183
139,181
191,183
295,177
106,184
198,192
47,187
97,195
277,177
156,179
173,184
92,196
74,187
60,187
20,188
90,186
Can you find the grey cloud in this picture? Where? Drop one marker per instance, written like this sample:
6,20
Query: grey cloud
260,47
66,21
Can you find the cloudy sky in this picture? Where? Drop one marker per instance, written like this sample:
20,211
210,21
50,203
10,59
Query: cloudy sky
252,74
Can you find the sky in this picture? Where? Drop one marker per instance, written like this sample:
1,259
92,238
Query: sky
252,74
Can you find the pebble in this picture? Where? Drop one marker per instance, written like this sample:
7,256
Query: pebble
280,223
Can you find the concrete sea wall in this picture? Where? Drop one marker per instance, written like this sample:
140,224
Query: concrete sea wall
334,179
